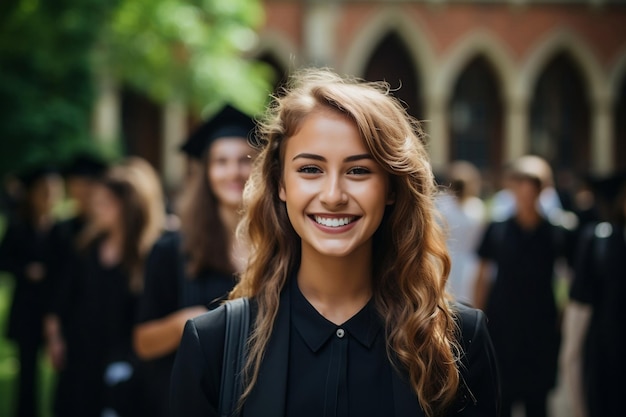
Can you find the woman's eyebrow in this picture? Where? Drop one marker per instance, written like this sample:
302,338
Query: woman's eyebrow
316,157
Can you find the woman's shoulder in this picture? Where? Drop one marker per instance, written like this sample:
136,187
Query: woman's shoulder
470,322
204,336
212,324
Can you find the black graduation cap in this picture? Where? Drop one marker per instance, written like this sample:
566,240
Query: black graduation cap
608,187
228,122
84,165
608,191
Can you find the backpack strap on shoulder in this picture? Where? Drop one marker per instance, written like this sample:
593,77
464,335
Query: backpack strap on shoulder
237,327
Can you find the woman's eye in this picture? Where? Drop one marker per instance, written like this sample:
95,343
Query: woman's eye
309,170
359,171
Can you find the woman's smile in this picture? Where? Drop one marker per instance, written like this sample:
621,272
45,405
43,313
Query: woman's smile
334,190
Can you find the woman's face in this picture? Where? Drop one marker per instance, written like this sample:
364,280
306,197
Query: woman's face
106,208
229,167
335,192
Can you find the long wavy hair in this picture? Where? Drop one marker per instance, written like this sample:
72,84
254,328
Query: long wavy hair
136,186
411,263
204,234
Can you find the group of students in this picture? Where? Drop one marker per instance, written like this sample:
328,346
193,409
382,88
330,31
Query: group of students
510,261
106,293
322,216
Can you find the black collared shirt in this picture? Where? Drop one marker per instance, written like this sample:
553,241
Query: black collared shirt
337,370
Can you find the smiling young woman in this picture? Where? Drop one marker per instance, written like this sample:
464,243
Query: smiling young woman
347,273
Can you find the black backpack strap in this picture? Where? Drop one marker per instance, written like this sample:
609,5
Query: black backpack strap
237,326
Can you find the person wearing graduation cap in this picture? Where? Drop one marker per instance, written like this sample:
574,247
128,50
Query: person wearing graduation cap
593,325
191,271
25,253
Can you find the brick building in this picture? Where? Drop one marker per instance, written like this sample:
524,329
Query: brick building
492,79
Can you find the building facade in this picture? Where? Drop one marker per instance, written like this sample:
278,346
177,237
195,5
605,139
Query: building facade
491,80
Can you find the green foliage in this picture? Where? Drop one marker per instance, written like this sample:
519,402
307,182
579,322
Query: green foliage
188,49
46,81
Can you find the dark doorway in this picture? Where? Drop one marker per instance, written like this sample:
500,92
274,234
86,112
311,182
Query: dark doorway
141,127
559,117
475,117
391,62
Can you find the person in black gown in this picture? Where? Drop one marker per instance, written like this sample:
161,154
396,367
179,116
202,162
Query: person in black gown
99,372
80,175
519,301
192,271
346,276
25,251
595,335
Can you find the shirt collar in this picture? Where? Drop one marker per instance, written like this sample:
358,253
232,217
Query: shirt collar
316,330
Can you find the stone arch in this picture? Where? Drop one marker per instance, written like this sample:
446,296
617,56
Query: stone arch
562,40
480,42
392,20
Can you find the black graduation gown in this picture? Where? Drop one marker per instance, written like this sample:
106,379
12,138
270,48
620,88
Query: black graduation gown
63,254
97,327
600,281
167,289
197,370
521,308
23,245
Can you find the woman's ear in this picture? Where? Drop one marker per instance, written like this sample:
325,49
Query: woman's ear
281,192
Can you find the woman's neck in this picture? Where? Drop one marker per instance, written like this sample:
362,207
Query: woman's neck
338,288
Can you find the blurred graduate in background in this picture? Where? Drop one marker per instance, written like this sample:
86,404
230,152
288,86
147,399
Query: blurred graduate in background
92,319
191,271
24,252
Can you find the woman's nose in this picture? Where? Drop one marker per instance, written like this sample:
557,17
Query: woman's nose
332,192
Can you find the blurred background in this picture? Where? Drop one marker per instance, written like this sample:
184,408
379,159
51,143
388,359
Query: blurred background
491,80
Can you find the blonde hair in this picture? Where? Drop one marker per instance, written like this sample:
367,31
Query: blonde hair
413,263
137,186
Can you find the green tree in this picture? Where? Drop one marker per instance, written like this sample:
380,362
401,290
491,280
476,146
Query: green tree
45,77
189,50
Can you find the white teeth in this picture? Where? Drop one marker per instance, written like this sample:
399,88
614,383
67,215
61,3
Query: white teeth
334,222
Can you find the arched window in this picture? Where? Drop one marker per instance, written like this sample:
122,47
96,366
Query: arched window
391,62
559,116
476,118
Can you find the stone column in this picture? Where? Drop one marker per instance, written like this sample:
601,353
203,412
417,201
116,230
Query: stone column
106,122
602,137
174,132
516,125
436,127
320,22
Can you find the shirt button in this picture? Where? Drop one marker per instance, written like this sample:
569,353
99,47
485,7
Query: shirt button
340,333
